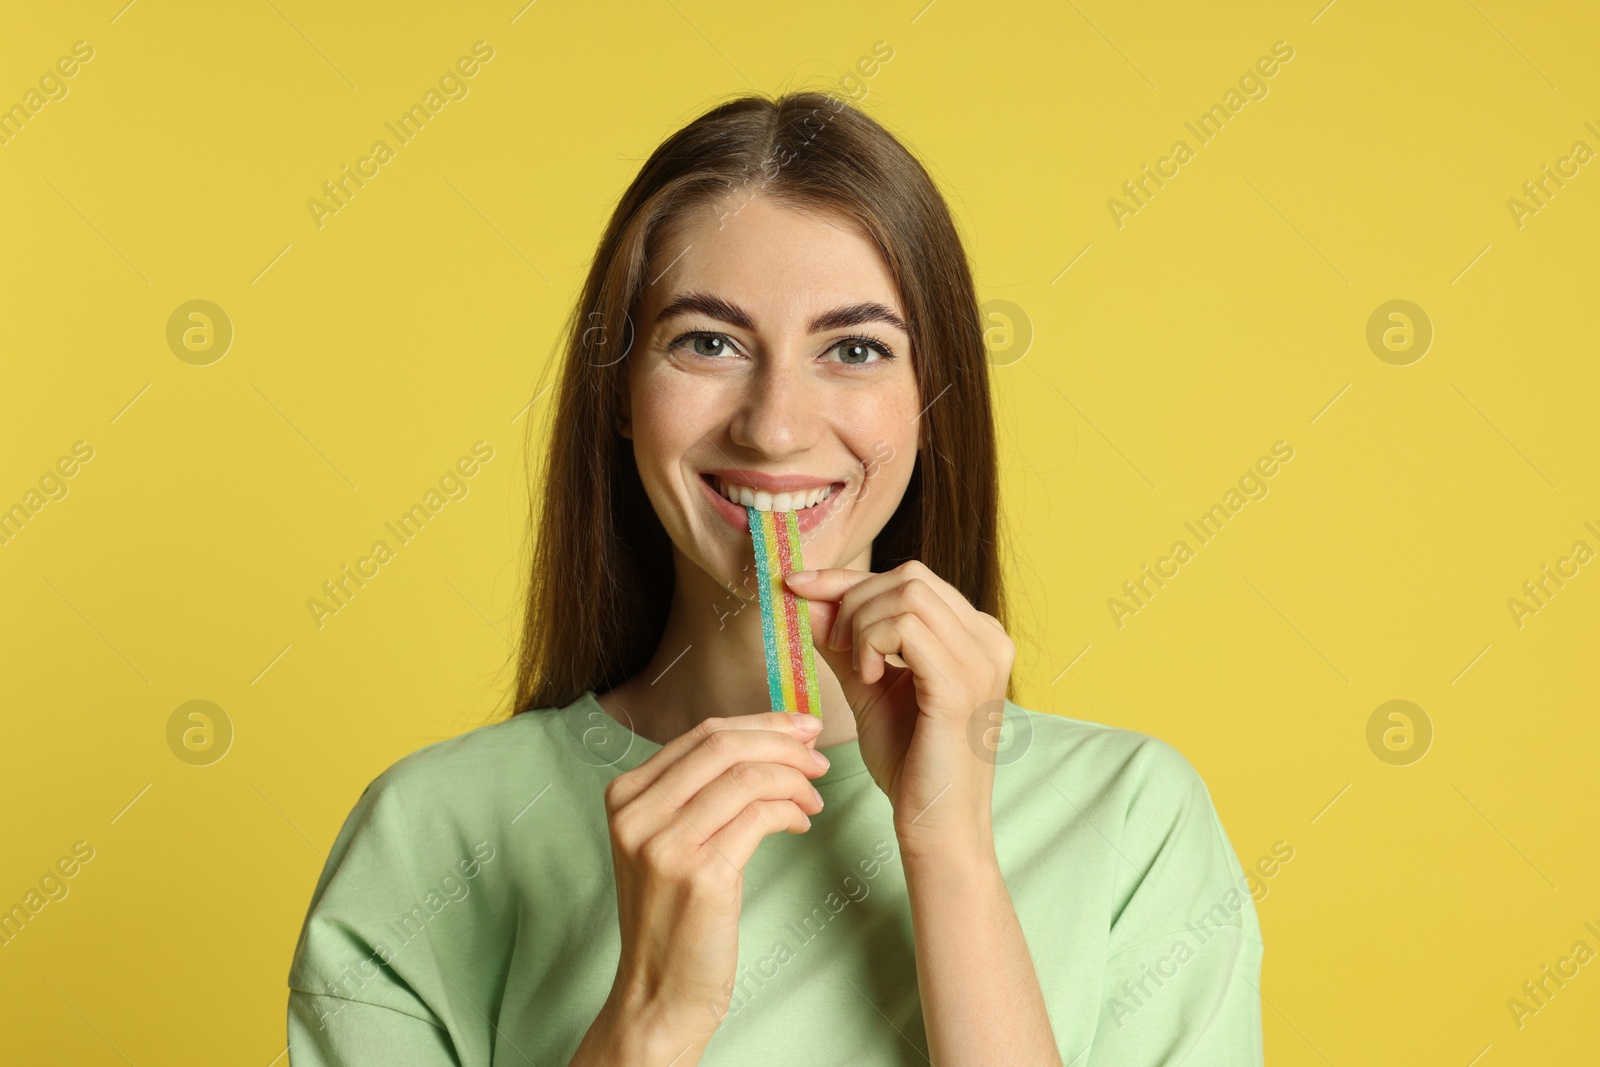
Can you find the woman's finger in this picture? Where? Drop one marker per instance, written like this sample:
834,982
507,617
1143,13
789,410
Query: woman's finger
852,588
914,573
909,636
779,725
738,839
911,597
729,794
722,750
654,808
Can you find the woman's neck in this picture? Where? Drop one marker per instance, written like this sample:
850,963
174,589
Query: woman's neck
711,661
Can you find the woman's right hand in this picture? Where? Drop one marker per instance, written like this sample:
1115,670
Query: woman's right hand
683,825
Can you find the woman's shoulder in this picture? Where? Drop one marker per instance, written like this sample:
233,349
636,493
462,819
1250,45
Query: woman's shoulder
478,784
484,767
1133,777
1138,793
414,844
1091,751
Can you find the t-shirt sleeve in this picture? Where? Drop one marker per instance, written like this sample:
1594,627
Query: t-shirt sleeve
1183,963
327,1031
354,999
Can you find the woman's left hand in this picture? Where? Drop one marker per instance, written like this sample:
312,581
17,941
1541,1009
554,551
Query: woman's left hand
923,727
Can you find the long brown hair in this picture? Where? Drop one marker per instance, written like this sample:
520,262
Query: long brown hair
601,579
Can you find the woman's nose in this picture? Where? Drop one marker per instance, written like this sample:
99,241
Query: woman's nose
778,408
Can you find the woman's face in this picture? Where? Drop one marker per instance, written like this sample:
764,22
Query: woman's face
771,355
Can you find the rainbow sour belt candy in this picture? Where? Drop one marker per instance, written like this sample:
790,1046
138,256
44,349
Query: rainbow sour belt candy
785,620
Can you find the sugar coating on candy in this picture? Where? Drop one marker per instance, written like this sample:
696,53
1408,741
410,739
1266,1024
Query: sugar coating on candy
785,619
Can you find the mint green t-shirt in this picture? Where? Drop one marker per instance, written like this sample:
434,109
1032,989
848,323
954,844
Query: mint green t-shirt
467,914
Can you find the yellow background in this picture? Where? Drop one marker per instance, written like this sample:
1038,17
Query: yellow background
1229,313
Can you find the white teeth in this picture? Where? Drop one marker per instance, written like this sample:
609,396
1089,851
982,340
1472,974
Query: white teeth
748,497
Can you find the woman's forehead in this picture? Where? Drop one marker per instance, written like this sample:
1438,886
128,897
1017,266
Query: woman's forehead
773,263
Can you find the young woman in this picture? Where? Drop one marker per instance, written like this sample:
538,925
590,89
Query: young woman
647,864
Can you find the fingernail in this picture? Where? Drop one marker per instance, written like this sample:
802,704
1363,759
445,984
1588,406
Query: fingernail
805,721
800,577
820,804
820,759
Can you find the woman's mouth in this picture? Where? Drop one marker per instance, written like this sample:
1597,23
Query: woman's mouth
746,496
730,498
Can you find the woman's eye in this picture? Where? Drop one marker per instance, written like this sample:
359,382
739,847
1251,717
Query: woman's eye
713,345
853,351
858,351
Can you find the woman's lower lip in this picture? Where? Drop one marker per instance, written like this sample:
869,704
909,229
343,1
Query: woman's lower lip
806,518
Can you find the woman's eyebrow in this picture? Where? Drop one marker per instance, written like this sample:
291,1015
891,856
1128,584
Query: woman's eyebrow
855,315
838,318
